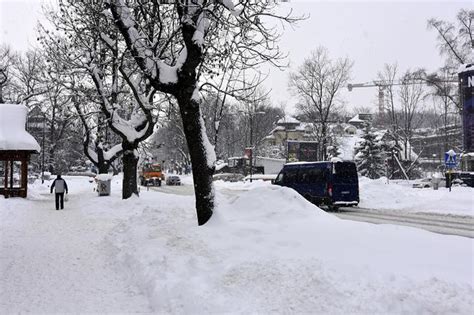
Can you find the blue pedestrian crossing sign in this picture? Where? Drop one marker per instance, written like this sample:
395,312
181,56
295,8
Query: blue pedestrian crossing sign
450,159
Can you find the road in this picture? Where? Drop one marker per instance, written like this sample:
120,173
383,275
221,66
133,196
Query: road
443,224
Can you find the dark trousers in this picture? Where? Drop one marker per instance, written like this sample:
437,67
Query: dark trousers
59,196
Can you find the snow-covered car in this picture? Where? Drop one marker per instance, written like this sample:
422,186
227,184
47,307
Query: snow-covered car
428,183
229,177
173,180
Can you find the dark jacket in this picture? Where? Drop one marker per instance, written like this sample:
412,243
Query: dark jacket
60,185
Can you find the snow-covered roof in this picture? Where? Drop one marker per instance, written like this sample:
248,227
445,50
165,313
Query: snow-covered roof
288,120
360,118
465,67
220,166
356,119
278,128
13,135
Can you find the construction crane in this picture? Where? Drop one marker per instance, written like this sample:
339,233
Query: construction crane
382,86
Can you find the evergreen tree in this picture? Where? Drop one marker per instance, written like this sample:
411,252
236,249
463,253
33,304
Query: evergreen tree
369,156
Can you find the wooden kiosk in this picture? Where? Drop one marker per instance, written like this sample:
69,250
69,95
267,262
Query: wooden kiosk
16,147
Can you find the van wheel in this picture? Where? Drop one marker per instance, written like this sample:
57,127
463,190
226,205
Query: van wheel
333,208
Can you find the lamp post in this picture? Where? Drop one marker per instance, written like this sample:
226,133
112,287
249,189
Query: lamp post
251,117
42,148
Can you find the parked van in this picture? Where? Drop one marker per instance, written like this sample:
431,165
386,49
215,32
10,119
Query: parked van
333,184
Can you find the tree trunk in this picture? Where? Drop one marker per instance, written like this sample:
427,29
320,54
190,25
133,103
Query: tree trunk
102,166
202,173
130,162
324,142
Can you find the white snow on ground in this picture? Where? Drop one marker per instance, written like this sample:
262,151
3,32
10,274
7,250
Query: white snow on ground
57,261
265,250
400,196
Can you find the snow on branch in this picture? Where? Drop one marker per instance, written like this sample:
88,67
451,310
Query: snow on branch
210,152
141,47
128,128
92,155
112,152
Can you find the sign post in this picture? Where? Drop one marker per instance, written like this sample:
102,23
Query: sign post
450,163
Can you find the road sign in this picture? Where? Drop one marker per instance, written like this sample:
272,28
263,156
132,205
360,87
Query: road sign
450,159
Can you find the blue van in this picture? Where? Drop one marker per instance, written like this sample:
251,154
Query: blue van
333,184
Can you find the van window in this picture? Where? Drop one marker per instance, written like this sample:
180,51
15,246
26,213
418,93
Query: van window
312,175
317,175
279,179
345,172
291,176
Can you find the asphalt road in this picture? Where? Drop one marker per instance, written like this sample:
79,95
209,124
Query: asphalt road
443,224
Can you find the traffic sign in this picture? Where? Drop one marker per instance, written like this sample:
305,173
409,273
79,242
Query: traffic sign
450,159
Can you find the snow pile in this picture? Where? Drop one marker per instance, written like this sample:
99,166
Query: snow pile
400,196
13,135
268,250
104,177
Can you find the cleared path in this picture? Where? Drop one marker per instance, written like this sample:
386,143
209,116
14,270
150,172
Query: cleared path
60,262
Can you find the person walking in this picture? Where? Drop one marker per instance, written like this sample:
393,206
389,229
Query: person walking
60,187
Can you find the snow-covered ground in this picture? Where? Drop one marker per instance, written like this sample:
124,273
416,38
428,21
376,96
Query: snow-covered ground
265,250
401,197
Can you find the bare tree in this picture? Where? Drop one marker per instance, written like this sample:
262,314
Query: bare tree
446,104
6,58
456,41
387,77
90,45
317,84
412,94
171,60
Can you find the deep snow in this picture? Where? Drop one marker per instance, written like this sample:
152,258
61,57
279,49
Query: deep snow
265,250
399,196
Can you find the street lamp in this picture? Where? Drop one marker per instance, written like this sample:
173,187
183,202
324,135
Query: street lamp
251,116
42,148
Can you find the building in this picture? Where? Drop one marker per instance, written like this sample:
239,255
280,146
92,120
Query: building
360,120
432,144
16,147
291,130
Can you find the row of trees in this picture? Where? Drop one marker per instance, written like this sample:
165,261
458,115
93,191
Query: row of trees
122,68
29,79
413,99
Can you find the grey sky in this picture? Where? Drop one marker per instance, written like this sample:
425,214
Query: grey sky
370,33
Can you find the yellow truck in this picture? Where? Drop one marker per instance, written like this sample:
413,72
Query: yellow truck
151,174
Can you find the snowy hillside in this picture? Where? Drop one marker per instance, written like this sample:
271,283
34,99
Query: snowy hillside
265,250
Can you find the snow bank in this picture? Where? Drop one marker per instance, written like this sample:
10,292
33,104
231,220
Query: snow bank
268,250
104,177
13,135
400,196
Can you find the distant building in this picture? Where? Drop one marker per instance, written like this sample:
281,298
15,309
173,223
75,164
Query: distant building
431,144
287,129
290,129
361,120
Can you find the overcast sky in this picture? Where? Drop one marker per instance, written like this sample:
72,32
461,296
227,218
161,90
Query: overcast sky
370,33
